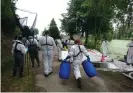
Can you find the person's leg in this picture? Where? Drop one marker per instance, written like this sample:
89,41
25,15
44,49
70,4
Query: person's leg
21,66
32,57
15,67
37,58
40,55
46,66
77,74
60,54
50,58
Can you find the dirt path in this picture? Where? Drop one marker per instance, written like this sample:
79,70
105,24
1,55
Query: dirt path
104,82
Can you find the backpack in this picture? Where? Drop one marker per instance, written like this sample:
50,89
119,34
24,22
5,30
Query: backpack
32,47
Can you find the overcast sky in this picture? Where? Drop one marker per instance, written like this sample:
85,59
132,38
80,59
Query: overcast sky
46,10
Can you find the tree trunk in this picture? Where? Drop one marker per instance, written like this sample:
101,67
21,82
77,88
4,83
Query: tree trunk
86,38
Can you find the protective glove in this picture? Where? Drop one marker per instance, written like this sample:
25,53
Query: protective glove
66,58
26,49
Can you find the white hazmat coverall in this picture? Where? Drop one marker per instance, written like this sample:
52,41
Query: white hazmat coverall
40,52
48,45
130,53
104,47
59,48
70,43
77,60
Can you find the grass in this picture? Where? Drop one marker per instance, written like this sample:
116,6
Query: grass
16,84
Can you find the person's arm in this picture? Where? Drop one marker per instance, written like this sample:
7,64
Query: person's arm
23,49
37,43
85,52
27,43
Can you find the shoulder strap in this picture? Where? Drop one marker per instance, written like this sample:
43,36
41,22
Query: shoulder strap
78,52
79,49
47,42
16,45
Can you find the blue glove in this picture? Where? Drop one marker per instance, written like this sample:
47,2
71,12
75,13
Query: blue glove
67,57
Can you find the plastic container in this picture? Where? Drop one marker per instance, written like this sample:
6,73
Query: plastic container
65,69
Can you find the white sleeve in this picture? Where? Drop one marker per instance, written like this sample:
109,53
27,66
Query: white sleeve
23,49
84,50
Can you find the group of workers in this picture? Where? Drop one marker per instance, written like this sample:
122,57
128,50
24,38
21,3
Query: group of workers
48,46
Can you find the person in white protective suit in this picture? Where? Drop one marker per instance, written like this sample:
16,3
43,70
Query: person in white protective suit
130,53
104,48
70,43
33,47
18,52
59,48
77,51
48,47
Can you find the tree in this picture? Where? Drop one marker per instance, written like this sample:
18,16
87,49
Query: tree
91,17
123,16
53,30
26,32
7,16
43,33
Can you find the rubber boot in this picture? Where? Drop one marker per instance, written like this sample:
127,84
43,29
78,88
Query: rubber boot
79,83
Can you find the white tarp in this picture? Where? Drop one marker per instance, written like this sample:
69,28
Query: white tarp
123,66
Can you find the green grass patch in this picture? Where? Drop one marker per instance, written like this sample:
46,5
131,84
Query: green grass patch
16,84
